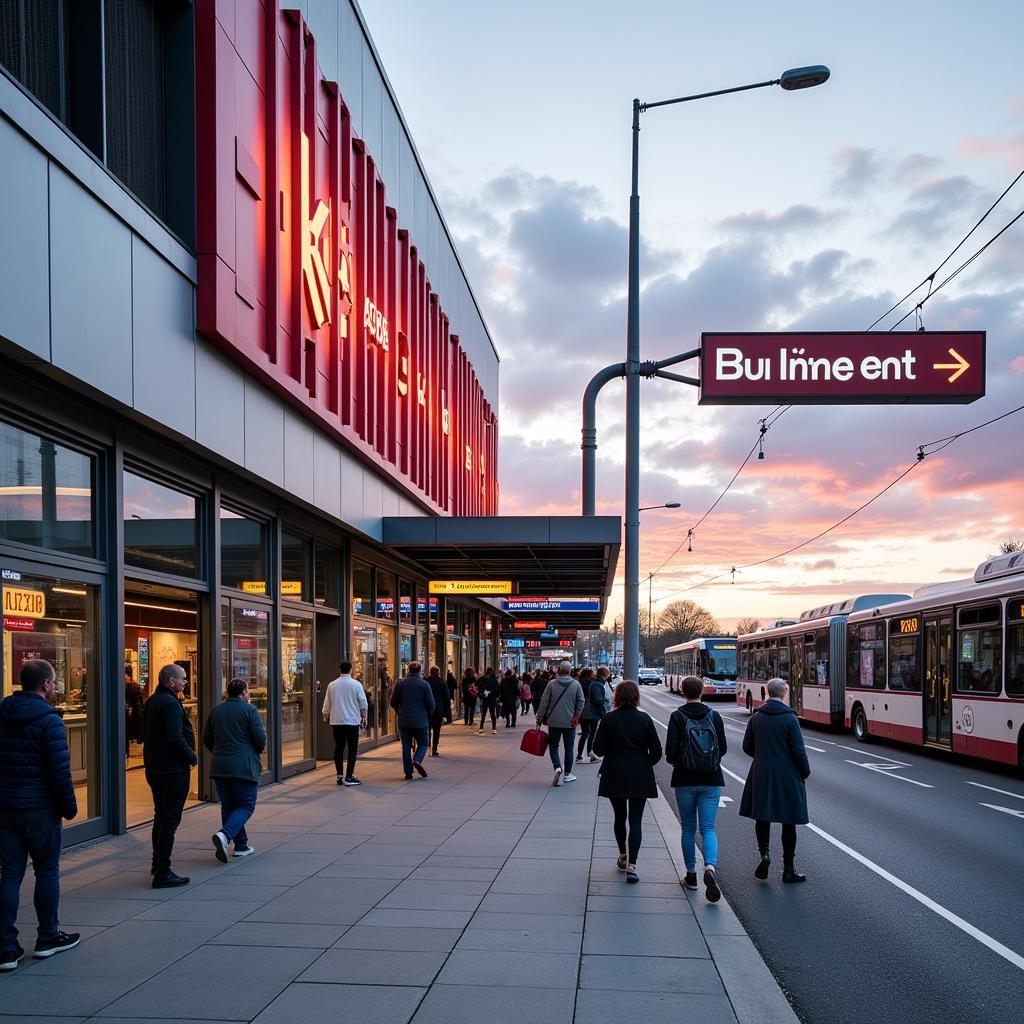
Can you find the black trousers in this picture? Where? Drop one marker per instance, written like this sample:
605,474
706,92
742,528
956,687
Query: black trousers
763,830
436,721
345,737
588,730
169,795
469,710
489,707
633,810
509,711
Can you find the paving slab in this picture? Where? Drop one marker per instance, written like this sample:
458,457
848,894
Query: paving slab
653,1007
259,933
644,935
650,974
343,1004
413,939
511,967
28,993
497,1005
375,967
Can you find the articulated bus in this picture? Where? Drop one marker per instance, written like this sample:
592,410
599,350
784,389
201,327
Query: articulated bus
712,659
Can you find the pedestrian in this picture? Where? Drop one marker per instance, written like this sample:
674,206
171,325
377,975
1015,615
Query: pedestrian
470,691
539,685
235,736
36,791
453,694
525,693
169,755
508,693
559,710
605,675
593,712
133,705
775,790
414,702
345,709
628,742
695,746
442,707
488,684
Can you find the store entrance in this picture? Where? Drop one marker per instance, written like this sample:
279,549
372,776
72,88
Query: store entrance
161,627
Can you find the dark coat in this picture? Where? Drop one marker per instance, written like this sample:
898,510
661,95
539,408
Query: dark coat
453,686
774,790
508,690
467,697
674,746
170,742
629,744
595,699
35,763
442,698
133,705
235,735
488,687
539,685
413,701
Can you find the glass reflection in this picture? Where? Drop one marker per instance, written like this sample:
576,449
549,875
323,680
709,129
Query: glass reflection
160,527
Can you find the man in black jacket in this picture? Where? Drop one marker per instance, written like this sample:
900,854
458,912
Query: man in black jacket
169,756
442,706
36,791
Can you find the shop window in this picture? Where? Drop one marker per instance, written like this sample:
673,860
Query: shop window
387,596
243,553
362,589
325,576
45,493
295,556
245,654
160,528
405,605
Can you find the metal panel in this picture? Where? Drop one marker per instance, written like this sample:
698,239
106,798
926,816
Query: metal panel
264,433
322,17
326,474
351,489
351,46
163,341
91,307
24,255
298,455
373,102
220,403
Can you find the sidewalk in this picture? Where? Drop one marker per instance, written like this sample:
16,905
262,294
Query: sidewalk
478,894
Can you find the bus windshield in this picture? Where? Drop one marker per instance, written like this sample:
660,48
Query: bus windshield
719,660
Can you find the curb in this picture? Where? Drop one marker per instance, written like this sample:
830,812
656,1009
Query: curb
751,987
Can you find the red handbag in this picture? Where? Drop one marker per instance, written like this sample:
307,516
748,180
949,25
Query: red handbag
534,741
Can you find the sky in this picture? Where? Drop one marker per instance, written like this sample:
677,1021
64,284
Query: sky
766,210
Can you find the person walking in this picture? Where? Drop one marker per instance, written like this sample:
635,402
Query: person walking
539,685
169,754
525,693
559,710
134,702
235,736
695,746
628,742
488,685
36,791
775,790
470,691
442,707
508,692
345,709
605,675
414,703
594,710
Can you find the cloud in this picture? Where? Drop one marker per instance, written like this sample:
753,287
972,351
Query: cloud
858,169
799,217
1009,148
934,206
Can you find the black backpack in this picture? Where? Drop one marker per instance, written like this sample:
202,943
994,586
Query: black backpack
700,746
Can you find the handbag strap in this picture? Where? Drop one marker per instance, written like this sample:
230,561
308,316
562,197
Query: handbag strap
551,710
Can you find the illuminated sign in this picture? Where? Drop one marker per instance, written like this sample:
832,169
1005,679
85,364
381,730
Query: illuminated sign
22,602
911,625
533,643
480,587
551,604
21,625
515,643
376,325
421,606
566,643
10,574
529,624
1015,609
289,588
254,586
877,367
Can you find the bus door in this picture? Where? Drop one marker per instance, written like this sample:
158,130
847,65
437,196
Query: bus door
938,705
796,674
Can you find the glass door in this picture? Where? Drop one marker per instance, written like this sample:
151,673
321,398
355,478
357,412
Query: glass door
385,680
245,653
364,665
297,708
938,706
796,675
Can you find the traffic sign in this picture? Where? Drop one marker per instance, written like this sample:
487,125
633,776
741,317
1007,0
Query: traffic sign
867,367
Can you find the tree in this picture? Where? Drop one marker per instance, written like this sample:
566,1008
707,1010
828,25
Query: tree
1009,546
747,624
680,621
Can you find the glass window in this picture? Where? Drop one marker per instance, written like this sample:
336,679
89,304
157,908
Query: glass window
865,656
160,528
760,663
1015,660
386,595
295,552
297,688
773,659
810,661
243,553
325,576
784,659
820,676
979,656
362,589
405,606
245,653
904,663
45,493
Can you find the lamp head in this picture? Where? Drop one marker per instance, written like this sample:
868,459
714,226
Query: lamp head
673,504
804,78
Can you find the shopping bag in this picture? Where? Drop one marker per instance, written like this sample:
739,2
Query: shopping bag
535,741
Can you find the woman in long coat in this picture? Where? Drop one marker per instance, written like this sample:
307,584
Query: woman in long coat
629,744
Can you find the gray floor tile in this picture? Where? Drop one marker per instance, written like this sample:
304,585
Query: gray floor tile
342,1004
564,922
646,887
643,935
539,885
288,909
20,1019
511,967
28,993
407,918
346,868
374,967
76,910
282,933
650,974
536,940
447,1003
639,905
224,910
427,901
363,936
445,871
253,892
553,903
653,1007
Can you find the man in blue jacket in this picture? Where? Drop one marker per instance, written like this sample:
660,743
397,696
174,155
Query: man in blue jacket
414,703
35,793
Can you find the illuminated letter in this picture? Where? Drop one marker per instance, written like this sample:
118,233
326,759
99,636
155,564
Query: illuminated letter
315,250
444,412
728,364
403,364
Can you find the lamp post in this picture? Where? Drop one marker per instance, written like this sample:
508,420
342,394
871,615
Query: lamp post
797,78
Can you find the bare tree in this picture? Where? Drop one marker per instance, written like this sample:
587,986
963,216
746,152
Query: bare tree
1009,546
680,621
747,624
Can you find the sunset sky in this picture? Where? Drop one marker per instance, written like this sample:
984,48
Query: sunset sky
762,211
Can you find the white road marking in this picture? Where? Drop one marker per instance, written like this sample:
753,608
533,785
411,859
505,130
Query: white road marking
856,750
1006,810
1005,792
820,750
732,775
723,800
885,769
965,926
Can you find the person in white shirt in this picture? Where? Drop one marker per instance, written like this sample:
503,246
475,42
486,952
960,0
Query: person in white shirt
345,709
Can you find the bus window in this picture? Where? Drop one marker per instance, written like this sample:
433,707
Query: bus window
773,659
784,659
810,661
1015,660
744,661
978,650
904,656
760,660
865,656
798,662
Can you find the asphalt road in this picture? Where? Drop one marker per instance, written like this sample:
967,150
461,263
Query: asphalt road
853,945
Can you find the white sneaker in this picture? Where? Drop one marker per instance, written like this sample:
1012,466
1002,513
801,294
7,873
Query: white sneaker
220,847
247,852
570,777
557,781
594,759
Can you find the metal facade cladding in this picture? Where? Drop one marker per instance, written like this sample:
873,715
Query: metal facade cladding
307,278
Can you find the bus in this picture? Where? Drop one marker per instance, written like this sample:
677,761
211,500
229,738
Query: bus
712,659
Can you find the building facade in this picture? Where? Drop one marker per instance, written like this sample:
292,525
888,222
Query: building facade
235,337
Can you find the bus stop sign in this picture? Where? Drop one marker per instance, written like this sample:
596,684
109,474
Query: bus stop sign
837,368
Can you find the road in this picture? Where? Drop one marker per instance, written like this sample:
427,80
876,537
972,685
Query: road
914,906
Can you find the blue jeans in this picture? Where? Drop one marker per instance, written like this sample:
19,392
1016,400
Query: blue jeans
702,802
422,738
23,834
565,735
237,803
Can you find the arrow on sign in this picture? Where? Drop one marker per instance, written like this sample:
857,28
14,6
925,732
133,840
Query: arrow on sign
960,366
1006,810
723,800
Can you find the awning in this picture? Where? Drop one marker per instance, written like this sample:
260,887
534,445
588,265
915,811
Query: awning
545,556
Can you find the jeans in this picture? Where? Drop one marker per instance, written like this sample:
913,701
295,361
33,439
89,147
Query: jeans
763,831
422,738
469,710
345,736
698,802
633,809
23,834
565,735
588,730
237,802
169,795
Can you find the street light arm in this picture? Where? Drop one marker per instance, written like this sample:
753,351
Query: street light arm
589,432
681,358
708,95
678,377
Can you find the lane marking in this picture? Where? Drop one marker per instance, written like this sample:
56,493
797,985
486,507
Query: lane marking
732,775
965,926
1006,810
1005,792
723,800
882,769
820,750
856,750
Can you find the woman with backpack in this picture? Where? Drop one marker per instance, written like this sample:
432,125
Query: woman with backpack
628,742
469,695
695,746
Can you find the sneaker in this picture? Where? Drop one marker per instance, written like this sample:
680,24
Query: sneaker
170,881
570,777
245,851
557,781
479,732
690,881
9,959
711,890
341,780
220,846
63,941
594,759
494,732
420,770
352,781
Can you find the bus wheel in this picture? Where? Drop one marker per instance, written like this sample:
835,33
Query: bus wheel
860,725
750,703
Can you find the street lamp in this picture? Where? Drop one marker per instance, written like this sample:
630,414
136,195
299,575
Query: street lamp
668,504
794,79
